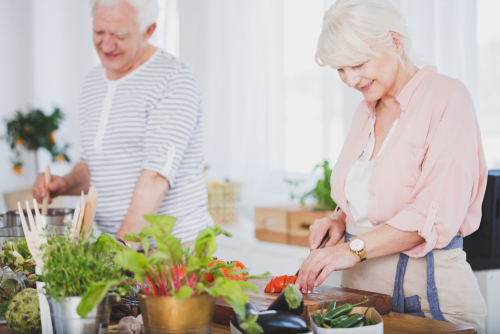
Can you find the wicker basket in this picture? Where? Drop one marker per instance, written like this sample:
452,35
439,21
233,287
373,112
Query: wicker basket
222,200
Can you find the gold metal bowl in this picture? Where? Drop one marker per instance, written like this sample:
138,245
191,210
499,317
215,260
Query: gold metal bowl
168,315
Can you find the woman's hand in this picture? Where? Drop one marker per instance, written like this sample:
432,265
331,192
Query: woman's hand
334,227
321,263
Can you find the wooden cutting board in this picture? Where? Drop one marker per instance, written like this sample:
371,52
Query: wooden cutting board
312,301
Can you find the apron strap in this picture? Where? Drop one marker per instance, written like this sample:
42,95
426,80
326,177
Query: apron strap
432,296
398,299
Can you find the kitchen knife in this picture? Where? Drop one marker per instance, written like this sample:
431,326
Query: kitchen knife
321,245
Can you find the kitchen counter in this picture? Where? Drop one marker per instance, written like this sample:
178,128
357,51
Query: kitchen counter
396,323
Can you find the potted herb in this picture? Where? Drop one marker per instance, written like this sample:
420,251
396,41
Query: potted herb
178,286
69,272
321,193
32,131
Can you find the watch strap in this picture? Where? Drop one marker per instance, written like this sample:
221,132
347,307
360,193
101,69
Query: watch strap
362,255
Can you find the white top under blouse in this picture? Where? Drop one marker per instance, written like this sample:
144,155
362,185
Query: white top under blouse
358,178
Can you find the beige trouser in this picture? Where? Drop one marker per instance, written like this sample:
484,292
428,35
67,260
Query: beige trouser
460,300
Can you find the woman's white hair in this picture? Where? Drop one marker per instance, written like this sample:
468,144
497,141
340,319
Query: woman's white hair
146,10
351,27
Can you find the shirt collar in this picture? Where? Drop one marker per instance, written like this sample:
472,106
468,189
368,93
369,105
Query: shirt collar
407,91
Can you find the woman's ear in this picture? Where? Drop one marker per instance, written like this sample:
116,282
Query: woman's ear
398,43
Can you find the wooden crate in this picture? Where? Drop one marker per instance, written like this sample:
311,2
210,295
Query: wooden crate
299,224
271,224
286,224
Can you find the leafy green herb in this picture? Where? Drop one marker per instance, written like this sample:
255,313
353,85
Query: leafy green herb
173,271
322,192
16,255
70,271
250,325
3,307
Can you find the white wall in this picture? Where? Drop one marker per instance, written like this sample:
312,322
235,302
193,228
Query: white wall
46,52
16,89
63,49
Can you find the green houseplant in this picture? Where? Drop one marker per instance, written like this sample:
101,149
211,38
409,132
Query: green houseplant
32,131
322,192
173,274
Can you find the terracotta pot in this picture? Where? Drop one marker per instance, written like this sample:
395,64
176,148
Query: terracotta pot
168,315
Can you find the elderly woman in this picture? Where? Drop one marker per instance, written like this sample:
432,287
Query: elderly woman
410,179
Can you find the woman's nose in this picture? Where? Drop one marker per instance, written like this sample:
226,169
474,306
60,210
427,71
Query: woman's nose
351,78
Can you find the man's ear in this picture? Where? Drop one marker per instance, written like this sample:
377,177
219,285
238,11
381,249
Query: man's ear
149,32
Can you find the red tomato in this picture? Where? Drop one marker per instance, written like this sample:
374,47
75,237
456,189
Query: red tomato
279,283
210,277
178,272
227,272
240,277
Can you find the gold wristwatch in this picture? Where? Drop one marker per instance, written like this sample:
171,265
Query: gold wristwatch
357,246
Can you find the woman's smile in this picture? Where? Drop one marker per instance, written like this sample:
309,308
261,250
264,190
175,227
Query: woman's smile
365,88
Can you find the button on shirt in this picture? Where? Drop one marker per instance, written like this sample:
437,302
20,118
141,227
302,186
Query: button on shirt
431,176
149,119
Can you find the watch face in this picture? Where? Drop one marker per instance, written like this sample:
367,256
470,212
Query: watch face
357,245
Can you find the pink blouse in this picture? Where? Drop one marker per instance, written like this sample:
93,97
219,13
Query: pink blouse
431,176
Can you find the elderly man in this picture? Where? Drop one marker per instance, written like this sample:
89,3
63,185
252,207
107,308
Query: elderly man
141,129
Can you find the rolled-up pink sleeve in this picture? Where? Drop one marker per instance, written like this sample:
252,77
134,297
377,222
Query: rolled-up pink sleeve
448,195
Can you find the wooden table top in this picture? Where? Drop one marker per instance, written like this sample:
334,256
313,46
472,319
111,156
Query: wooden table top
396,323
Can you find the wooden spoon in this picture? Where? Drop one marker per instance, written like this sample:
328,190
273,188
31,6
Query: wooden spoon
89,214
74,221
78,226
45,203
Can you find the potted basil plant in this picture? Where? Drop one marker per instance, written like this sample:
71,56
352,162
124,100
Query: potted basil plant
69,272
178,286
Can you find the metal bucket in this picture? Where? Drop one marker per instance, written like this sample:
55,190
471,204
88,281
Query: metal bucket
65,320
15,233
168,315
56,217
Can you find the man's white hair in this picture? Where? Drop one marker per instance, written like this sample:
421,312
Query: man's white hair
146,10
351,27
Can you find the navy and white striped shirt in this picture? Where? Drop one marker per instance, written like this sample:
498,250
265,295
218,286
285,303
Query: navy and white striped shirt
149,119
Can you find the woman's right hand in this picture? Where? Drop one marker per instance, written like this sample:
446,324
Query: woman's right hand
57,186
334,227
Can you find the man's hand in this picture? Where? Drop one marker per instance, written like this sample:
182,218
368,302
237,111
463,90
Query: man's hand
72,183
334,227
57,186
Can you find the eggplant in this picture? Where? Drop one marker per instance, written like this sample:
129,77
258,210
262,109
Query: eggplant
249,310
290,300
276,322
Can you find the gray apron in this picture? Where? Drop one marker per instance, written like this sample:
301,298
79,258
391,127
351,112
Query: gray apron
442,272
